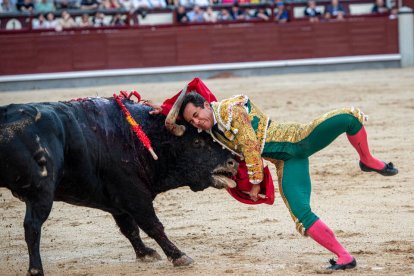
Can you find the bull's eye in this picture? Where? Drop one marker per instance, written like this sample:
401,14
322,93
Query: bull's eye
197,143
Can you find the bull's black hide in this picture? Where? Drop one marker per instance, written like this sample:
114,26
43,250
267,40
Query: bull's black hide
85,153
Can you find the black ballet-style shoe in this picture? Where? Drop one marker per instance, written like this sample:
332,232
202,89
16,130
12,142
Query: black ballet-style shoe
335,266
388,170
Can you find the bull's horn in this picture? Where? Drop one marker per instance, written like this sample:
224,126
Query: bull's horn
177,130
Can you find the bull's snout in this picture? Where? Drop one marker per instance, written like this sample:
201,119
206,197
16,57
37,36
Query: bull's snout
222,175
232,164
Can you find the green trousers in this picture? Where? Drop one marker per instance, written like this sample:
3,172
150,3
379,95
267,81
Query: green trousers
291,157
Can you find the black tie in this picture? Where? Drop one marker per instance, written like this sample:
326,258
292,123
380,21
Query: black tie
216,129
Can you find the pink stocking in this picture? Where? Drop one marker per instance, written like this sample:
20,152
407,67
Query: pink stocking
321,233
360,142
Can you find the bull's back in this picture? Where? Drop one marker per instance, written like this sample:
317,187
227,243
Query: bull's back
81,147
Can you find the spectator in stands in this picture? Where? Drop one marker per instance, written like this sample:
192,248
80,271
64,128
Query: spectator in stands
66,21
282,15
181,15
129,5
117,20
335,10
44,6
115,4
250,13
224,15
196,15
203,3
85,21
7,6
210,16
89,5
312,12
261,13
40,22
66,4
109,5
184,3
25,6
237,13
393,13
158,4
51,22
380,7
98,20
143,4
228,2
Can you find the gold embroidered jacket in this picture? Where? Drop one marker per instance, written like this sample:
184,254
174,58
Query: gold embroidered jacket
249,133
244,127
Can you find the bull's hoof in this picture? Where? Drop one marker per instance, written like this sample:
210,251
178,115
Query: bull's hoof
34,271
184,260
152,256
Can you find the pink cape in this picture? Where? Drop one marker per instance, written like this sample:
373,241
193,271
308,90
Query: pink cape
242,179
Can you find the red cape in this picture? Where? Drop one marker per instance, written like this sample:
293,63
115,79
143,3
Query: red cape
195,85
243,185
242,178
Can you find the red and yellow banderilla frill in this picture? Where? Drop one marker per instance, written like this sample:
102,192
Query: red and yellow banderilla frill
134,125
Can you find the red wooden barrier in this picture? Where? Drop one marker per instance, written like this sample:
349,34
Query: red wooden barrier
409,3
78,50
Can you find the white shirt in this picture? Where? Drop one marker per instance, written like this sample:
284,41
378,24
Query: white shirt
202,3
129,4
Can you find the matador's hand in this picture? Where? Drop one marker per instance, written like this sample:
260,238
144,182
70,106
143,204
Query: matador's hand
254,192
156,108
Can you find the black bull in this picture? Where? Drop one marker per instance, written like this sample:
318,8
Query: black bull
85,153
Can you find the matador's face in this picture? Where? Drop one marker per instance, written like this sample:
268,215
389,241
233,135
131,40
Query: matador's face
199,117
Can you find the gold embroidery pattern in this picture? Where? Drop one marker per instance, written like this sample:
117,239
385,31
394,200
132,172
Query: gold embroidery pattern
295,132
219,137
225,109
233,118
279,171
262,126
224,143
249,145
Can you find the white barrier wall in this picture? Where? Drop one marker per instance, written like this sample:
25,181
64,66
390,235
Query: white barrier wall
406,36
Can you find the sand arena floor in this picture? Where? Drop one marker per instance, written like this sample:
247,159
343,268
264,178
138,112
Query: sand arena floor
373,216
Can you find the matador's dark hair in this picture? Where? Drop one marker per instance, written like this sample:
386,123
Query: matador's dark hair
193,97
